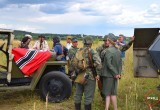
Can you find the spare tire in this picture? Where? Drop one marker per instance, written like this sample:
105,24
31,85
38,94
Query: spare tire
55,86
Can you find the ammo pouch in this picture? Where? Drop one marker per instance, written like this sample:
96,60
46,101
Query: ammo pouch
82,78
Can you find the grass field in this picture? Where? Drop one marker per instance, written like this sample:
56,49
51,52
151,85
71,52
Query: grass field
131,92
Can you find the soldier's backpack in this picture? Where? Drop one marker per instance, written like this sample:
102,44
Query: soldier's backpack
79,60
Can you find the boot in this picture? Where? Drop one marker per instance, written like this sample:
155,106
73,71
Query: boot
88,107
78,106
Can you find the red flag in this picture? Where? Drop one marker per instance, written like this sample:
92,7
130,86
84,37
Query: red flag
30,60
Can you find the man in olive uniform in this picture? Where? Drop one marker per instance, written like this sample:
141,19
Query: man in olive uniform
111,70
103,48
71,53
88,88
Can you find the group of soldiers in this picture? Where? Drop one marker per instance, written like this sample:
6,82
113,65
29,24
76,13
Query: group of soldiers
105,61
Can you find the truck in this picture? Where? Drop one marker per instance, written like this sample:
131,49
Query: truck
146,52
53,85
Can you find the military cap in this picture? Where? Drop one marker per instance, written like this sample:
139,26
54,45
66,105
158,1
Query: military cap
87,40
111,37
74,40
105,37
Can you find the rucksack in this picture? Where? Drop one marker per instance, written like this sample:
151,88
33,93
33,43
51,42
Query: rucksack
80,61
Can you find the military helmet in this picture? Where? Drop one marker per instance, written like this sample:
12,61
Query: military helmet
87,40
56,39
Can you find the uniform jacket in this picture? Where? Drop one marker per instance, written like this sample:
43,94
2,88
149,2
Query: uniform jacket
96,60
112,64
72,51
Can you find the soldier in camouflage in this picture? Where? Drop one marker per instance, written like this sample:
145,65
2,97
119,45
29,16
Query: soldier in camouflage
88,88
71,53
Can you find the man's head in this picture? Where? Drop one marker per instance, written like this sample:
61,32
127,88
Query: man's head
41,38
121,38
87,41
56,39
29,36
105,39
69,39
112,38
74,42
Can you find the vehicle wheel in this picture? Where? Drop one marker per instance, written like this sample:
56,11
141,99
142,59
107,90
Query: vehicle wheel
56,85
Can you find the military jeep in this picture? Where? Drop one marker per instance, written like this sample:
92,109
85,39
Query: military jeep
50,82
146,52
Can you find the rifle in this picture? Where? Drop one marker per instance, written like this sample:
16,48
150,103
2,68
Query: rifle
92,65
94,71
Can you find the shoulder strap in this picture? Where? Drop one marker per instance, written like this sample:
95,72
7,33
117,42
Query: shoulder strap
92,64
90,57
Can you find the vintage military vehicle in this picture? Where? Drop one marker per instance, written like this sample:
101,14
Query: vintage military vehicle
146,52
51,82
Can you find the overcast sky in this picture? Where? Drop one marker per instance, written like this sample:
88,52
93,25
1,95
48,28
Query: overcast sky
96,17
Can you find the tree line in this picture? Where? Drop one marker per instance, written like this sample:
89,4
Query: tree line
20,34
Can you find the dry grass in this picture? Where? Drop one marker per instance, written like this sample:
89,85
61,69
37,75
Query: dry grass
131,92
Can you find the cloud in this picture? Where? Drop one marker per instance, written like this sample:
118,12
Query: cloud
53,8
153,11
20,27
40,15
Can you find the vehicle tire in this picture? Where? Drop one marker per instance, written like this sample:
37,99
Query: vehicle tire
56,85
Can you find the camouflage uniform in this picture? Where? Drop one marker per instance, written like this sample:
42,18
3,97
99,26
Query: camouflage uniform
89,88
71,53
126,47
100,49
